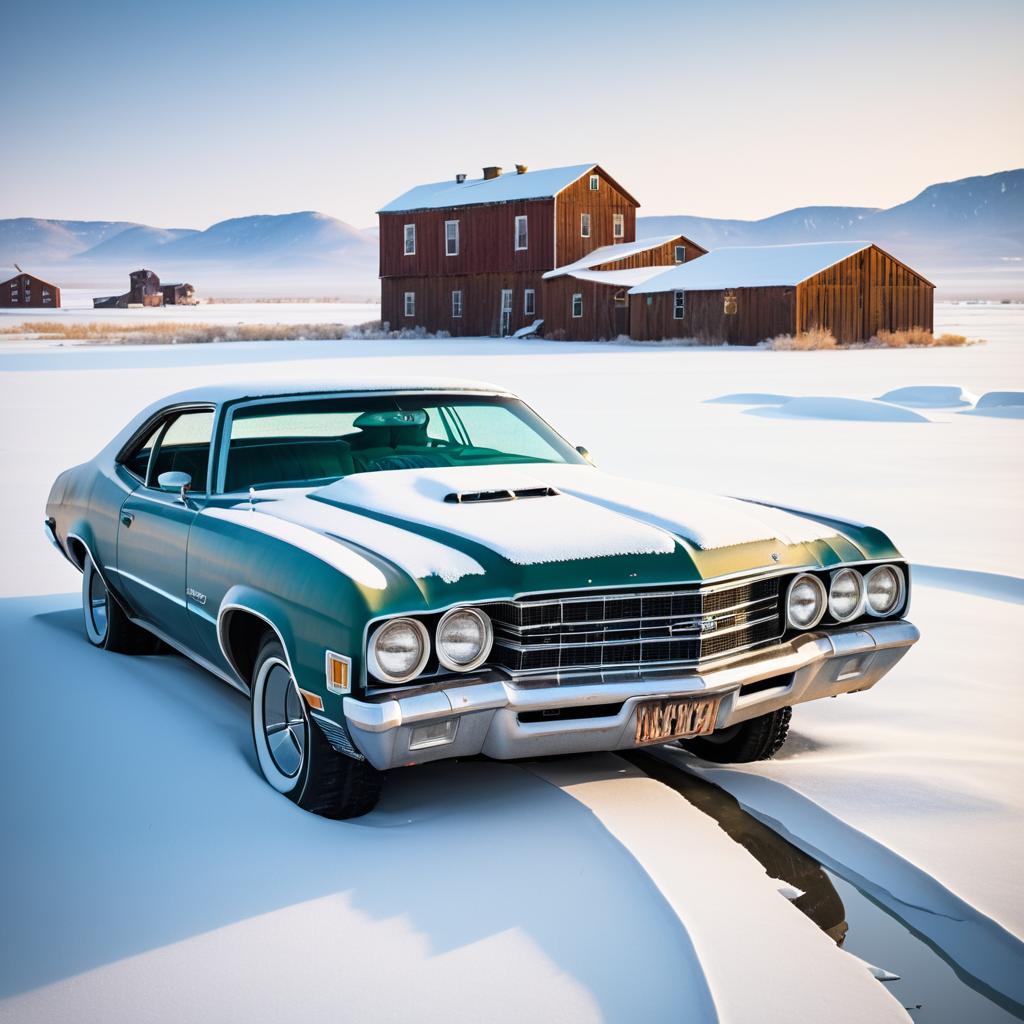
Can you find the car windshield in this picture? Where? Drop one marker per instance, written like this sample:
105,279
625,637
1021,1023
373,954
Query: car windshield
314,441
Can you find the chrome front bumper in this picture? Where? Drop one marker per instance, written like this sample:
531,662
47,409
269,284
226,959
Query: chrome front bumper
484,715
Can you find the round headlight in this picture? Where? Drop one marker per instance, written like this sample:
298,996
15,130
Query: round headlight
885,589
399,650
464,638
844,594
805,601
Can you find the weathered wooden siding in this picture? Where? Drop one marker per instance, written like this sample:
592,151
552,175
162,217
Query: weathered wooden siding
603,317
486,240
662,255
577,199
481,302
760,313
865,293
25,291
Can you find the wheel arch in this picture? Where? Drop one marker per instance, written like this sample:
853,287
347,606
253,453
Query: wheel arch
244,619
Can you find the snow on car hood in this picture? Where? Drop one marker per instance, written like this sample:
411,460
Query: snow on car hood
594,515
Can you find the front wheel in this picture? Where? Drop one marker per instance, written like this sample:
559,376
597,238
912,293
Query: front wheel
293,752
756,740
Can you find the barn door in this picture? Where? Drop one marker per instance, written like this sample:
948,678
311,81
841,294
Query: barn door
506,312
620,319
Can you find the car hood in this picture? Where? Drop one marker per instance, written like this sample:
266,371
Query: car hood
542,526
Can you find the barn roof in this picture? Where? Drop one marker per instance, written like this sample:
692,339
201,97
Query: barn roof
760,266
611,253
625,278
25,273
505,188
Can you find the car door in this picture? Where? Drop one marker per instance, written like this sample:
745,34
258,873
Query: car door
152,537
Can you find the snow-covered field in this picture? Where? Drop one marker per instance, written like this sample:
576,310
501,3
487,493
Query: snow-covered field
150,874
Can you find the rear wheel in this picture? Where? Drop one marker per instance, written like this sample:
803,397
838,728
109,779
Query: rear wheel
106,624
756,740
293,752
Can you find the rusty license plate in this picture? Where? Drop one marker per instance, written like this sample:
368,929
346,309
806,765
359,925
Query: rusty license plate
671,718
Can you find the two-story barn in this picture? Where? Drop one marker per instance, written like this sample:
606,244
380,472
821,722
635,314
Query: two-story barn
27,291
745,294
469,256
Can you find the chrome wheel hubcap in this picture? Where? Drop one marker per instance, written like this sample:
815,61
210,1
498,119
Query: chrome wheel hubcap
284,723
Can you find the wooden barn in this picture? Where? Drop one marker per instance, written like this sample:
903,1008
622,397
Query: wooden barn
467,256
145,289
743,295
589,298
25,291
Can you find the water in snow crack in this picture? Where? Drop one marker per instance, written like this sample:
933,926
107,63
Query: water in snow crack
933,988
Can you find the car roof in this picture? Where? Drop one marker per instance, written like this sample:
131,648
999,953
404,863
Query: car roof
219,394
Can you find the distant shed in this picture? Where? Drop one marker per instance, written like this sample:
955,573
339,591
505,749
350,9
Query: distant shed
26,291
745,294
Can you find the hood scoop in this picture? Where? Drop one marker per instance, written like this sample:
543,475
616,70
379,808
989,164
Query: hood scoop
500,494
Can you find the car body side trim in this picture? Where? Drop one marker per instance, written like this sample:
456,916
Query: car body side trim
190,654
180,601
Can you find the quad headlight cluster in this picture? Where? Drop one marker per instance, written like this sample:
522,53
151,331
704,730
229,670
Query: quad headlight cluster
848,595
399,649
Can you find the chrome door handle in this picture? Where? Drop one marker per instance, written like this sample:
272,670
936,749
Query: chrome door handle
127,518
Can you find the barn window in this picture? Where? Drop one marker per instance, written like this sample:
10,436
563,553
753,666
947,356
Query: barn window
410,239
522,233
618,225
529,302
451,238
680,254
46,296
410,303
595,182
679,306
456,304
577,306
584,225
730,305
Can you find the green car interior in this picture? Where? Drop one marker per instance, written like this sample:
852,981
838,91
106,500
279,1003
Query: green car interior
315,441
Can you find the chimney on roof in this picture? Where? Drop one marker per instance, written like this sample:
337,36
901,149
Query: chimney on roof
521,168
459,179
491,172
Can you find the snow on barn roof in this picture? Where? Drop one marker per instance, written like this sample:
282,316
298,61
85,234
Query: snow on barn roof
503,189
611,253
752,266
625,278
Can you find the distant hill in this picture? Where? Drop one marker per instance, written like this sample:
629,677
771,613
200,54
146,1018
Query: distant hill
971,223
34,240
134,243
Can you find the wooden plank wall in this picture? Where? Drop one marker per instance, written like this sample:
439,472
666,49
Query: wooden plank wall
601,205
29,293
481,302
599,320
486,240
865,293
760,313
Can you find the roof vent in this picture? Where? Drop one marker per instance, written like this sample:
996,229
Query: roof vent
521,168
491,172
459,179
501,494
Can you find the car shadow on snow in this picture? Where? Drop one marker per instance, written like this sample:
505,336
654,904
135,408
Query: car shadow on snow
139,820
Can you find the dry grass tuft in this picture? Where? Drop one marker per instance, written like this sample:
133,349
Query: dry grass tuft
813,340
918,337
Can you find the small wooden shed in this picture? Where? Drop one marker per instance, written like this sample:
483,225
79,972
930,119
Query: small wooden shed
745,294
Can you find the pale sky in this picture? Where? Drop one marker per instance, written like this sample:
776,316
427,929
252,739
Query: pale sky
187,113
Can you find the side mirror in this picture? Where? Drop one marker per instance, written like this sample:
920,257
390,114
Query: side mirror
174,481
583,451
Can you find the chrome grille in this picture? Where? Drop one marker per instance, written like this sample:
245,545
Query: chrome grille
636,628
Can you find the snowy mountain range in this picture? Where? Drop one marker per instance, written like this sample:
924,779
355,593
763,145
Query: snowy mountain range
967,235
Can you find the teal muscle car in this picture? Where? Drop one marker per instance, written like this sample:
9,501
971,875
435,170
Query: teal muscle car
400,573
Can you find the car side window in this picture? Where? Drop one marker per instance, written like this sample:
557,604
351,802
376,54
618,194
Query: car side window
137,463
184,448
